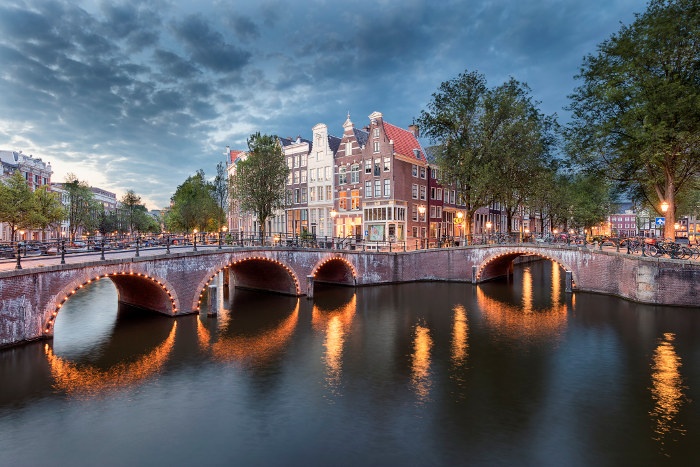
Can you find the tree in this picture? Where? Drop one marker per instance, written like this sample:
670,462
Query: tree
81,205
454,120
259,183
221,193
520,140
17,203
492,142
129,203
193,206
636,116
48,208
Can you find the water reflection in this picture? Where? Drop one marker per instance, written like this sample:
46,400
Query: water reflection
334,319
254,333
540,313
90,380
666,390
420,363
460,331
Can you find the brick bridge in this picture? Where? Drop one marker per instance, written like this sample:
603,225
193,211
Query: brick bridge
174,284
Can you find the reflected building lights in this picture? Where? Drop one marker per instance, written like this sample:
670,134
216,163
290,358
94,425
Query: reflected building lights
666,390
460,332
90,381
556,284
527,290
420,363
336,324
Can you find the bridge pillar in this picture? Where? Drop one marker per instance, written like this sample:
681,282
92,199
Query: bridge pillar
212,300
568,281
474,269
309,287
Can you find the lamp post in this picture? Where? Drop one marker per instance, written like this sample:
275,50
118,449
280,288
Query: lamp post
19,252
194,236
488,231
334,214
421,213
458,222
664,209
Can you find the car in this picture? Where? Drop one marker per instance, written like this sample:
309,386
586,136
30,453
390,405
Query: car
683,240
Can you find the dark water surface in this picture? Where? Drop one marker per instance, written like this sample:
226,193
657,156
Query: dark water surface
509,373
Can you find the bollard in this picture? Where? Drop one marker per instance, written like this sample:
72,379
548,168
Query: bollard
212,300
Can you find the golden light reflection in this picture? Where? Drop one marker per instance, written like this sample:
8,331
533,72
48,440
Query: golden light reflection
336,324
420,359
255,349
90,381
460,332
510,321
527,290
666,390
556,284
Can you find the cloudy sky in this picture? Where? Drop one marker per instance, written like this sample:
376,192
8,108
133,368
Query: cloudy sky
140,94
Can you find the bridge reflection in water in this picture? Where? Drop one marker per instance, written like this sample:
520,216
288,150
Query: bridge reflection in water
510,371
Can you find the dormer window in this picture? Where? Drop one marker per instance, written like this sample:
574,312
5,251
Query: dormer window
416,152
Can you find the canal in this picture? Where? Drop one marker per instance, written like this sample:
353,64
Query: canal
515,372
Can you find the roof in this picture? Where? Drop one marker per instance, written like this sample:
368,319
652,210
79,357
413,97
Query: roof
361,136
404,142
333,143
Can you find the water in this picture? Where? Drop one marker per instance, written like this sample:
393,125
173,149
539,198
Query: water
509,373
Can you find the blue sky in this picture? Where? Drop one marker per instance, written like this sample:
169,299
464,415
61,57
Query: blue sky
141,94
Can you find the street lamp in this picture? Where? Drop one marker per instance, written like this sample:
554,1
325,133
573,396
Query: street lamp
488,230
334,214
421,211
195,239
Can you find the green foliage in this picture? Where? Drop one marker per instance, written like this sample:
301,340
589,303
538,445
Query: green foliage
220,187
636,115
193,206
82,206
48,208
259,183
17,203
492,142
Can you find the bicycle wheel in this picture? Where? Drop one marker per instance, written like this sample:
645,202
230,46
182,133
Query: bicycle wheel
653,250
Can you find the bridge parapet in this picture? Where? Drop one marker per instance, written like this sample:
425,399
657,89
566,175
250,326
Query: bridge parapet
30,299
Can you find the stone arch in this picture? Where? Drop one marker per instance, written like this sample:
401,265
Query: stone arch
255,272
500,263
152,293
336,270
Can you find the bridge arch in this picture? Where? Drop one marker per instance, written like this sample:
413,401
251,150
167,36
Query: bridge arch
336,270
255,272
500,264
134,288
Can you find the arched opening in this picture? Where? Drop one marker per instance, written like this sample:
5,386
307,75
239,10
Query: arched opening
502,265
137,290
335,270
257,273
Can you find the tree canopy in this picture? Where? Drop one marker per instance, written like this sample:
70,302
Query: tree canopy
491,142
636,115
193,206
81,207
259,182
17,203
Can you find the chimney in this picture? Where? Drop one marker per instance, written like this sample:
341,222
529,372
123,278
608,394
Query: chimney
413,128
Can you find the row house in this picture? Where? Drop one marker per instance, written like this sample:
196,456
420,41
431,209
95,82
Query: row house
296,215
321,180
36,172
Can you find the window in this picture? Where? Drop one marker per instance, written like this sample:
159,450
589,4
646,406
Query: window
422,192
319,155
36,179
329,193
355,173
433,173
355,200
414,191
452,197
297,162
348,148
312,175
296,177
377,167
312,194
387,187
376,132
447,196
290,162
376,146
377,188
303,160
303,176
328,173
438,214
439,193
414,214
342,175
422,173
297,196
433,212
368,189
387,164
303,195
414,170
320,193
343,200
